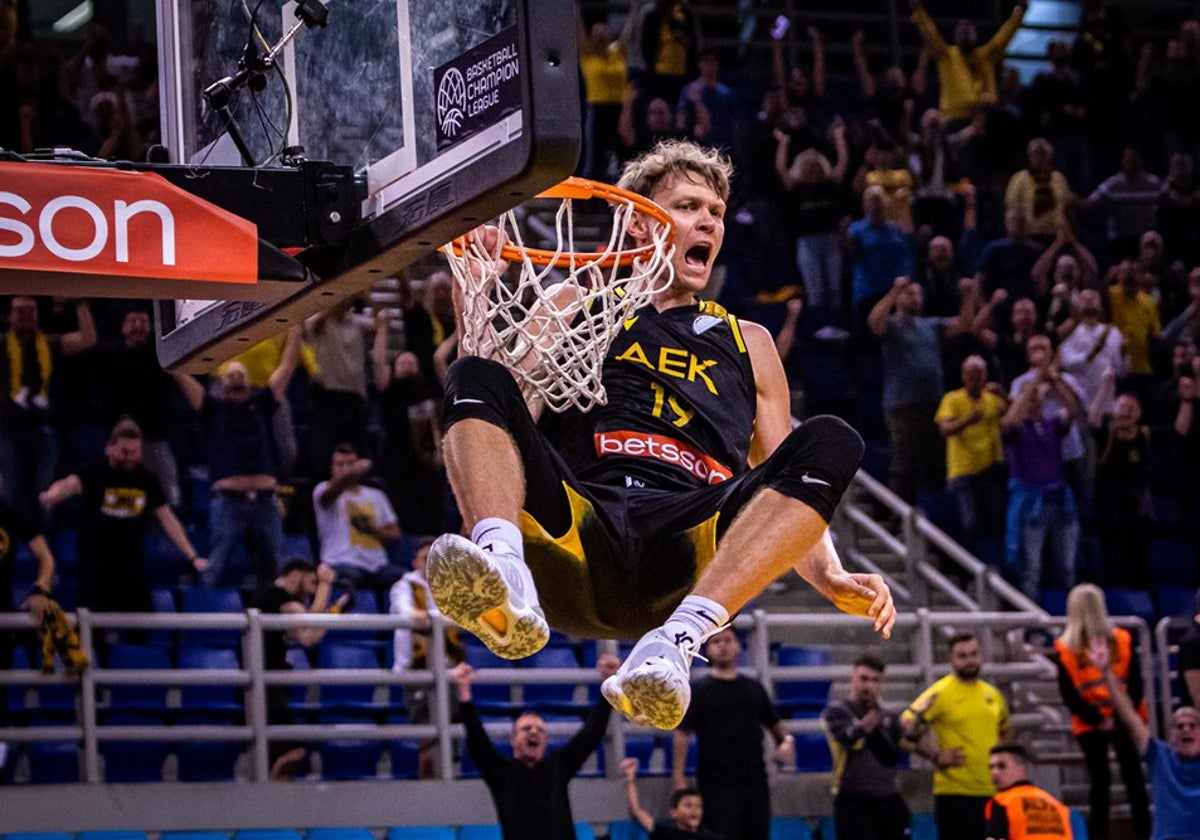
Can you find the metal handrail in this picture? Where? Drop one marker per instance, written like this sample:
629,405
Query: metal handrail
920,628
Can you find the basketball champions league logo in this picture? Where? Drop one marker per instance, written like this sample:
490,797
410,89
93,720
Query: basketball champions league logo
451,102
478,88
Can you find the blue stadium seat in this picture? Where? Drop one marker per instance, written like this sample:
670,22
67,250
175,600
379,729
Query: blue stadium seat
420,832
1054,600
689,763
405,756
164,563
36,835
584,831
551,697
923,827
941,508
1172,562
338,834
491,700
790,828
355,701
827,828
626,830
297,546
149,699
121,834
1176,600
133,761
479,832
641,747
801,697
297,657
812,753
53,704
203,599
208,761
266,834
1130,602
349,760
53,762
210,702
163,600
193,835
467,768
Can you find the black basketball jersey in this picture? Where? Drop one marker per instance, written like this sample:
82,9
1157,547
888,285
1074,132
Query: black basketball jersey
681,399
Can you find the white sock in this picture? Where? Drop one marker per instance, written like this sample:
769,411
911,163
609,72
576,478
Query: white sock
498,536
695,618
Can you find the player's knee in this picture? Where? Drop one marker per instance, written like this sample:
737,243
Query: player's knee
817,462
833,445
480,389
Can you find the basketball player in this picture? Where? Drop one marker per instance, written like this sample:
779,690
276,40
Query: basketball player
695,495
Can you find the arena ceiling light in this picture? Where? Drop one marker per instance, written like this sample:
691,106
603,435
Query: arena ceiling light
74,19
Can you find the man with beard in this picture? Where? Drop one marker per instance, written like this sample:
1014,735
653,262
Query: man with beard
120,499
866,741
966,717
245,467
135,385
728,715
529,790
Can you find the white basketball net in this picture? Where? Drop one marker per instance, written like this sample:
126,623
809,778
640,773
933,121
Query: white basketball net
551,325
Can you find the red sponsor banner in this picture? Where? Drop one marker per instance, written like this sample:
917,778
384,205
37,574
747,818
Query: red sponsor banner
665,449
83,220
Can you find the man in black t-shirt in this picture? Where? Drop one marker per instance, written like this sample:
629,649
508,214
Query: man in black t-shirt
728,715
301,588
529,789
245,465
134,384
120,499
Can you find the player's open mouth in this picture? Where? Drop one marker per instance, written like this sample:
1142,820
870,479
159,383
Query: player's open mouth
697,256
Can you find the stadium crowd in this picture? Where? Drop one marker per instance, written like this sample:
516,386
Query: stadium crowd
1006,273
961,264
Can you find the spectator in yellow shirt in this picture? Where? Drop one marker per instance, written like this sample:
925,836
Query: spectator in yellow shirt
966,717
1135,314
969,419
605,74
966,72
1039,190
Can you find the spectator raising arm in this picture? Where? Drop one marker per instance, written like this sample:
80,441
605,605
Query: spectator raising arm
641,816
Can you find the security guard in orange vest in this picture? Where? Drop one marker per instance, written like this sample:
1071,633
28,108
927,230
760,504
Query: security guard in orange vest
1093,722
1021,810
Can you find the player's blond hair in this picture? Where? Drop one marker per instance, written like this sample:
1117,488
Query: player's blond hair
678,158
1087,617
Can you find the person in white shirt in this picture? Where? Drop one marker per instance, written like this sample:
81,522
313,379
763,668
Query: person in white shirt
354,520
410,598
1091,348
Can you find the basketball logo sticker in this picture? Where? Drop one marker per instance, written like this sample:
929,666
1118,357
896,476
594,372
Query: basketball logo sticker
451,102
477,89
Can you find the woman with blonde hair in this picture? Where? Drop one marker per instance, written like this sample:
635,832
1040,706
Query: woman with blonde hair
1093,722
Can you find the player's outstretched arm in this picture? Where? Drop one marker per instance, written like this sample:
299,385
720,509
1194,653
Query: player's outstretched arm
857,594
